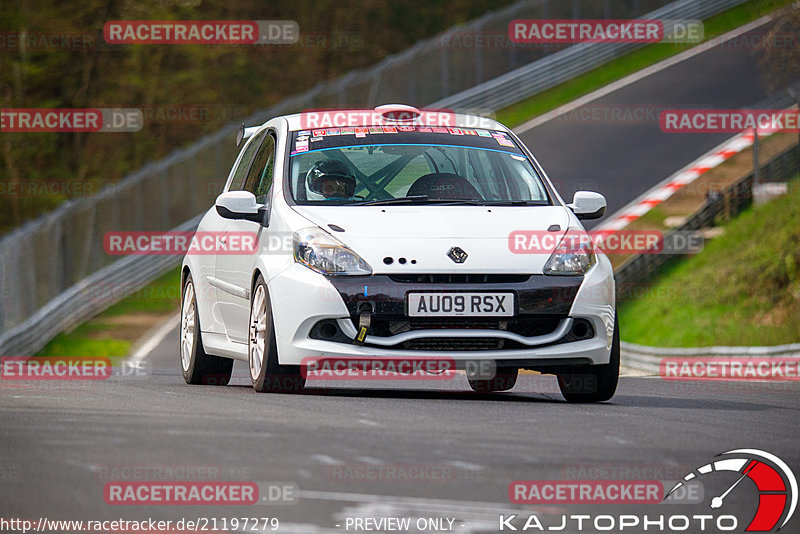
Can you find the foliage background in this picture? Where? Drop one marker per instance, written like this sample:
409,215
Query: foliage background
233,81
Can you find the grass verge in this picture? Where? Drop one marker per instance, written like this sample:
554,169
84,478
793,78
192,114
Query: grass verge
742,289
113,332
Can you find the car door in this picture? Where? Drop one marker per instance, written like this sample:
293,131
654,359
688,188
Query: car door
234,269
212,226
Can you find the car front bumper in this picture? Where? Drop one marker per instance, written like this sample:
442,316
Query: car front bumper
540,336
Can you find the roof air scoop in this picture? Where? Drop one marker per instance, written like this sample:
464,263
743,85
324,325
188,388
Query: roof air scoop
398,112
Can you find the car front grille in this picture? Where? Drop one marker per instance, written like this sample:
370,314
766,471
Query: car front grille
458,343
460,278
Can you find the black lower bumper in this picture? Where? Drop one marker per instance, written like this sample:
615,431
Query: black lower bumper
541,304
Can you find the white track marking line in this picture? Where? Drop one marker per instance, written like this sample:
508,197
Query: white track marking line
638,75
325,459
465,465
628,372
153,341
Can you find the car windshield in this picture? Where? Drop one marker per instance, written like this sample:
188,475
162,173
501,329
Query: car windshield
411,164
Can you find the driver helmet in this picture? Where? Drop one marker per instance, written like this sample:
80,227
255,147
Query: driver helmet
330,179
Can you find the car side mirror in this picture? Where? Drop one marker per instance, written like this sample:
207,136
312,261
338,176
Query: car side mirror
588,205
241,205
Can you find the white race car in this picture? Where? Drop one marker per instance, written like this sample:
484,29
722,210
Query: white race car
397,234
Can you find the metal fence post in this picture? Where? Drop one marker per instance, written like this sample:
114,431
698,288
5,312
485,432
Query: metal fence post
412,83
218,163
755,157
4,281
479,54
165,182
796,96
445,73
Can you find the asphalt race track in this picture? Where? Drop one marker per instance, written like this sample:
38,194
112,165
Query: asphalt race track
469,446
428,448
614,145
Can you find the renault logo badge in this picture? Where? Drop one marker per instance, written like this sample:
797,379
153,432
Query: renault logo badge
457,254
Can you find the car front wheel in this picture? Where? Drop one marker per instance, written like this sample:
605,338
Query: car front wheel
593,383
265,371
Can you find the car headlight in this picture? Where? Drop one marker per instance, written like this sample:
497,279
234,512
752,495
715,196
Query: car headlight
321,252
573,256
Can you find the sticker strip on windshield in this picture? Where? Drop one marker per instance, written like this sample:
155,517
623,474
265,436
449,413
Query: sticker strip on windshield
339,147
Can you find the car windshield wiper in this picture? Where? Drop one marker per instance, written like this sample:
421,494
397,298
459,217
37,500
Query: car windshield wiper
516,203
397,200
422,199
425,199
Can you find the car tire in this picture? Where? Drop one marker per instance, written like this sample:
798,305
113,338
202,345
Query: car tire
197,366
267,375
593,383
504,379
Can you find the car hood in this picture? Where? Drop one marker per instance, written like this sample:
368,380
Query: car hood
423,235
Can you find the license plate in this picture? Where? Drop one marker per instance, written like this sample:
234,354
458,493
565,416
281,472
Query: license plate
461,304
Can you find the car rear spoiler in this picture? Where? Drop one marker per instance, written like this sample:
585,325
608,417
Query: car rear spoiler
244,133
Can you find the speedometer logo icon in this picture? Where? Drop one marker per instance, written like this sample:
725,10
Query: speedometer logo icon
776,484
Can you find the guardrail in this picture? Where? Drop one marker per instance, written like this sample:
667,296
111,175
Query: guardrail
55,272
648,359
88,297
48,266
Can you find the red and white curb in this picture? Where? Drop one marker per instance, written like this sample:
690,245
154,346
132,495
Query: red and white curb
687,175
